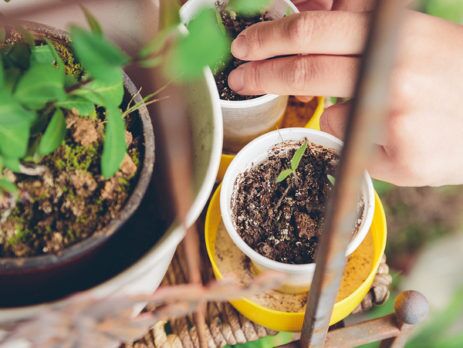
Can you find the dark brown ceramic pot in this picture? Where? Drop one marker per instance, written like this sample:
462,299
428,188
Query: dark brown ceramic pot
45,277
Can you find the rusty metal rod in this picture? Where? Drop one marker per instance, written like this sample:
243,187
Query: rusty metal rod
366,120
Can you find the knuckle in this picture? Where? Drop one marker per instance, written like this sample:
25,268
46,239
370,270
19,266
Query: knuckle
300,72
257,37
253,76
300,28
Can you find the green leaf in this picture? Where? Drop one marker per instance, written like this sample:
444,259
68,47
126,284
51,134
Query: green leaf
18,56
11,76
12,113
151,62
157,43
70,81
12,163
58,60
8,186
14,140
95,27
110,93
42,55
54,134
249,7
100,58
283,175
331,179
205,45
84,107
41,84
298,156
114,148
2,73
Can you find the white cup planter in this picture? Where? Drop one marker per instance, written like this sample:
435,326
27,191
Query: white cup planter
244,120
298,276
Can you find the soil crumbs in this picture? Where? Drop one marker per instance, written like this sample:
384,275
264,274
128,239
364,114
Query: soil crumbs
283,221
234,24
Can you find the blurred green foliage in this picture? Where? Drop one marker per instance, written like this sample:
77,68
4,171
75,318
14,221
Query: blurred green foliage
451,10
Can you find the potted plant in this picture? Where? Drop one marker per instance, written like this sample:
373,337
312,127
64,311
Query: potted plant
244,118
136,257
76,150
273,201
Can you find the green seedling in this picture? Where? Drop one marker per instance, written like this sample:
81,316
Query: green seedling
295,161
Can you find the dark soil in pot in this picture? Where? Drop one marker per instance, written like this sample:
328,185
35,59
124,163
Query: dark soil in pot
234,24
283,220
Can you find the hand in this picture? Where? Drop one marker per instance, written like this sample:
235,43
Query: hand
337,5
423,144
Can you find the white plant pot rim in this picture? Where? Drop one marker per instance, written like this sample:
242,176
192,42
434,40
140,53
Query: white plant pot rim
229,182
185,14
239,104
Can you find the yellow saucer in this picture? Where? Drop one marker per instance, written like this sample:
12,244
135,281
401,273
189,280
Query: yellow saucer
313,123
292,321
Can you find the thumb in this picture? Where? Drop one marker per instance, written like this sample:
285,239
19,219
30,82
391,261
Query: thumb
334,119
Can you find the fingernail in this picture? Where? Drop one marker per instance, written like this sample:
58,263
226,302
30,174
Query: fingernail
239,47
236,79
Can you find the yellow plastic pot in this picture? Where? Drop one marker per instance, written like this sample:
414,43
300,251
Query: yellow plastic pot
313,123
285,321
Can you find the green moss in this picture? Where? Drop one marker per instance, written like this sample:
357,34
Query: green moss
123,181
19,237
71,66
75,157
135,155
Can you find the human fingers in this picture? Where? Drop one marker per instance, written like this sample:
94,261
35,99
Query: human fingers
381,166
297,75
316,32
313,5
353,5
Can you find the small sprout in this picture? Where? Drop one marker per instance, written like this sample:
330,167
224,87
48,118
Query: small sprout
295,161
92,22
331,179
284,174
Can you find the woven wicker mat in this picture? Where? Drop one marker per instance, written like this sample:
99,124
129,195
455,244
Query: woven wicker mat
224,324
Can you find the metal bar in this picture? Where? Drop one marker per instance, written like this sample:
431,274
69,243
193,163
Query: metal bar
366,120
362,333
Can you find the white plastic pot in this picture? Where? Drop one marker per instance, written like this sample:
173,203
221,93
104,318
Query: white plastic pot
244,120
298,277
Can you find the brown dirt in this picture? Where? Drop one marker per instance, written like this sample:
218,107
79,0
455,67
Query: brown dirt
67,200
234,25
282,221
